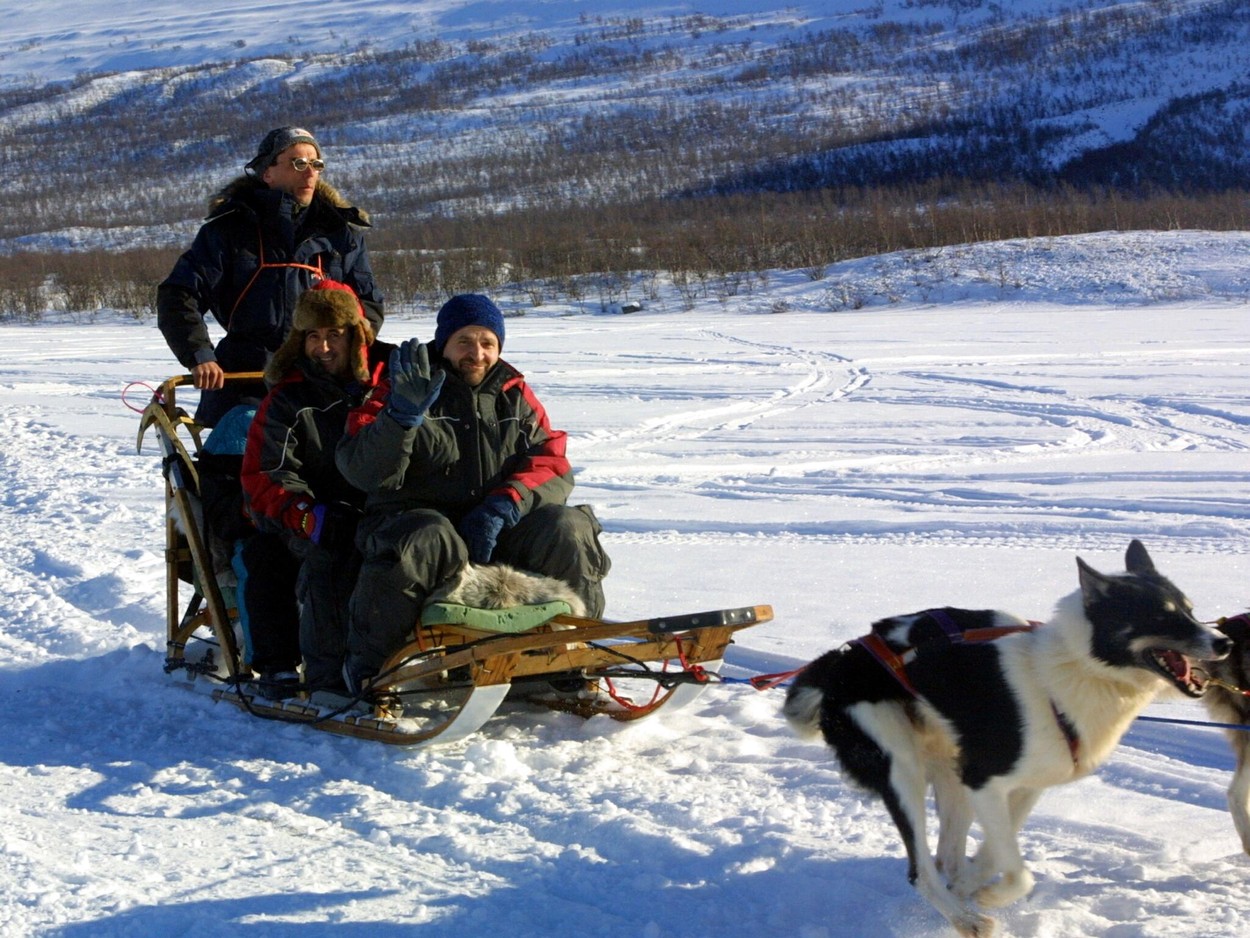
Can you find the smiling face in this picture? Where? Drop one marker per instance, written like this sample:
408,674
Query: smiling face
330,350
472,352
298,184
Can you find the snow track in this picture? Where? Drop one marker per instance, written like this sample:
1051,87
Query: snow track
894,442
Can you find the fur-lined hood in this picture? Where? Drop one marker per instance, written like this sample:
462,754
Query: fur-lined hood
243,190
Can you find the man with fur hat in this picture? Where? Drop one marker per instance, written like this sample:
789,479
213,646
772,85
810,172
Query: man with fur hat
460,463
305,511
270,234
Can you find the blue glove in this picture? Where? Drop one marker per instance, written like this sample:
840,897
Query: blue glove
332,526
413,387
482,526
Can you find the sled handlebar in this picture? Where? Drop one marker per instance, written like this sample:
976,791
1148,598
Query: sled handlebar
165,392
179,380
163,408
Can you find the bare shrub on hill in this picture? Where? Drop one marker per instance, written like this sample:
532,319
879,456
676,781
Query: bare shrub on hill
706,244
21,288
83,282
708,247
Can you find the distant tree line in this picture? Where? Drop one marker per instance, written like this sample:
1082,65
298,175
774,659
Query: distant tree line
707,245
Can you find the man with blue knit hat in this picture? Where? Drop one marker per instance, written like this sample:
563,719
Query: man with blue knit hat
459,462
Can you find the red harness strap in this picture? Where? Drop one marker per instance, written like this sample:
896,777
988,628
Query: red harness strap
896,664
318,273
959,636
889,658
775,679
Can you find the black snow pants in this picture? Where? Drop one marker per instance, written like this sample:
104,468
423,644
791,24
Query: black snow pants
406,556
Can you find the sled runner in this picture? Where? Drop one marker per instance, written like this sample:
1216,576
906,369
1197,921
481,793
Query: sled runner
462,663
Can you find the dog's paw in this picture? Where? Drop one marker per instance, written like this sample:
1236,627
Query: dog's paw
973,923
966,878
1010,887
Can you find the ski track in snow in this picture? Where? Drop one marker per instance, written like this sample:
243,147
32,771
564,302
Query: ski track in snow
1036,420
839,466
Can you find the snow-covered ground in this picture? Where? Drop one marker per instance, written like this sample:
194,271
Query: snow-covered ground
913,430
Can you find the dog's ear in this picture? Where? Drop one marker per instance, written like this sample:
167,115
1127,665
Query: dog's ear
1094,585
1137,561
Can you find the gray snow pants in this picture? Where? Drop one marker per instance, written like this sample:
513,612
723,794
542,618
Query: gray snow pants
409,554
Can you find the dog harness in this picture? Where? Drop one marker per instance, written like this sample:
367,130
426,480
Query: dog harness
896,662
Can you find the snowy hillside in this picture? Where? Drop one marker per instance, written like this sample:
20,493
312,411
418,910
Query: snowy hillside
914,430
457,107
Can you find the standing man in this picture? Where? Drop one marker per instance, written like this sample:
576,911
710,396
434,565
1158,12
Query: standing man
270,234
459,463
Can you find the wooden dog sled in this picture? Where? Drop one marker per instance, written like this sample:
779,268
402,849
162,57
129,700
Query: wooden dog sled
461,665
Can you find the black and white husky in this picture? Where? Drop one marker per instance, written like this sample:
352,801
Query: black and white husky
927,700
1226,699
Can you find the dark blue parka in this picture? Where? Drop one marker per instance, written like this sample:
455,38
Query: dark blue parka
226,272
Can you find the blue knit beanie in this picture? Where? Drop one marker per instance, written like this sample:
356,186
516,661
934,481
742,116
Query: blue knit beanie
467,309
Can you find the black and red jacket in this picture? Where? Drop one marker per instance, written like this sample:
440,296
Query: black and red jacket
493,439
289,466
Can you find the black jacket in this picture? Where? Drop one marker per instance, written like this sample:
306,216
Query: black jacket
289,464
494,439
250,224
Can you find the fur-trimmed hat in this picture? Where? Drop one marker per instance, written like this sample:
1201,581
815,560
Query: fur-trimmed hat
328,304
467,309
277,140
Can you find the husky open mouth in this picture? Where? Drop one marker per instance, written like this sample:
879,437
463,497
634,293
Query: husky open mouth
1179,670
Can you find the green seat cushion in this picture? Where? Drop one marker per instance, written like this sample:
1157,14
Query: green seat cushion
514,619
